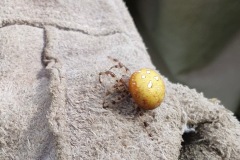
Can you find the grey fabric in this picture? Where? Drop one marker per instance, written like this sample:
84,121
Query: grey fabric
51,53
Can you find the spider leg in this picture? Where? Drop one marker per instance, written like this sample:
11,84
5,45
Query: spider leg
119,86
115,94
111,100
113,59
106,73
119,65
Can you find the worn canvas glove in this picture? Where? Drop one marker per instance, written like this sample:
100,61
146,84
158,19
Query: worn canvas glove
51,53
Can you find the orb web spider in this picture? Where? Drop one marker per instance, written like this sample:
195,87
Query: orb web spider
145,86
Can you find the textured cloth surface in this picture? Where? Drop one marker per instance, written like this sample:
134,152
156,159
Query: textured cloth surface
51,53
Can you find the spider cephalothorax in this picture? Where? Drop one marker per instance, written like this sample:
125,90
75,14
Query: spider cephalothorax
145,86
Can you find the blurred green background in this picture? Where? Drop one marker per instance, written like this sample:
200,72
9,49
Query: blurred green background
196,43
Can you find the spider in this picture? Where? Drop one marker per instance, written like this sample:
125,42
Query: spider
145,86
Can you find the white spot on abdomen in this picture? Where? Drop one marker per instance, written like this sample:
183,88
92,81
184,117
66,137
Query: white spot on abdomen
150,84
